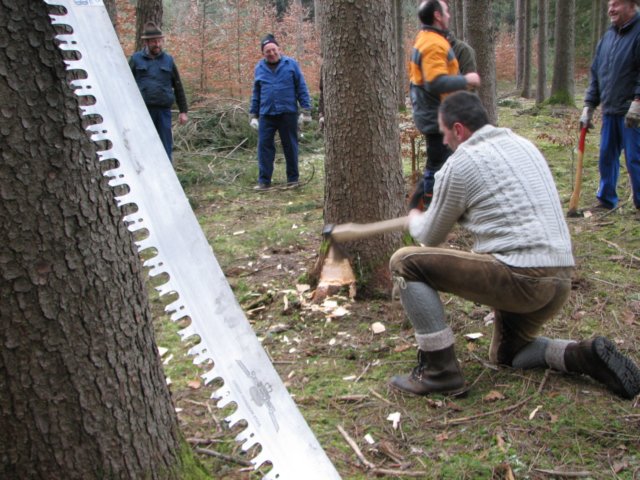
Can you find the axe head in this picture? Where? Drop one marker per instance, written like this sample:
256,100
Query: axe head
326,231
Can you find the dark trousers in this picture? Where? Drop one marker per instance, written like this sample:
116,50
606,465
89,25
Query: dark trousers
286,125
437,154
161,118
615,138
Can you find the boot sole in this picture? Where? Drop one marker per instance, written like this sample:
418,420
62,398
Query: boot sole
460,393
622,368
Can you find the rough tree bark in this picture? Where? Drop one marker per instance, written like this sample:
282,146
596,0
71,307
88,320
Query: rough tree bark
520,42
363,170
147,11
526,60
112,10
541,86
479,33
562,84
401,77
82,392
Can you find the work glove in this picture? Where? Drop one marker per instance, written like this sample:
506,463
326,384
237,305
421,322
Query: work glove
585,118
304,117
632,118
254,123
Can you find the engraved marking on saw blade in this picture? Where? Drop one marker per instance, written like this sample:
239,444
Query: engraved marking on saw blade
260,394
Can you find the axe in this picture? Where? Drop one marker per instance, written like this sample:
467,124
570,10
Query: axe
575,196
333,267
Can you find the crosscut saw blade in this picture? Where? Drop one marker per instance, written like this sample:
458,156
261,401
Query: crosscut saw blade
184,254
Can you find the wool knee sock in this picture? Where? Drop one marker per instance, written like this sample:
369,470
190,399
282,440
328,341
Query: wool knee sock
423,307
542,352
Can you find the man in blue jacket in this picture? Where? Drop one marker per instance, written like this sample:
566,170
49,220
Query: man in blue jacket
159,82
615,84
278,88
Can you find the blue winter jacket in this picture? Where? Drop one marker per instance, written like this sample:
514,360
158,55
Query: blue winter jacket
615,72
154,76
280,90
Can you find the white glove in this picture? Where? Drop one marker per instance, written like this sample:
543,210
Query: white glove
585,118
632,118
254,123
303,118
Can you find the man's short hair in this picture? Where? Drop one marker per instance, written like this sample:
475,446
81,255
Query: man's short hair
427,10
465,108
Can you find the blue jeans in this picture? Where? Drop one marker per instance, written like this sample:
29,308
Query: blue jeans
614,138
161,118
286,125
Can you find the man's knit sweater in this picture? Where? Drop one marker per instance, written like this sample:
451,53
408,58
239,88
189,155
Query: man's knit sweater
498,186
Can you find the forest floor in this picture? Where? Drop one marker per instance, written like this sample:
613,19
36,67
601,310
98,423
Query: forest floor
513,424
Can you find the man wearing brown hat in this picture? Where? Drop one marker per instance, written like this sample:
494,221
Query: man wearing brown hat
159,82
278,88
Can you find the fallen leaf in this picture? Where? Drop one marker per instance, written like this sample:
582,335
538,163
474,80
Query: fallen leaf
534,412
493,396
402,348
194,384
620,465
442,436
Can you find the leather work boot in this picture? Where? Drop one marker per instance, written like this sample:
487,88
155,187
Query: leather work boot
600,359
436,372
505,344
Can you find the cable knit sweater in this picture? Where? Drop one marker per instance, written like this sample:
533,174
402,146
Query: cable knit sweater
498,186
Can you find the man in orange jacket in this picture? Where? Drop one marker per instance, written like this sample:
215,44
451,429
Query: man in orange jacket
433,72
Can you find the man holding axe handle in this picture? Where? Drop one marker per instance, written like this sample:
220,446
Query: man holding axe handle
498,186
615,86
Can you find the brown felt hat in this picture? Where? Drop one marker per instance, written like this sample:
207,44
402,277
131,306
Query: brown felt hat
150,31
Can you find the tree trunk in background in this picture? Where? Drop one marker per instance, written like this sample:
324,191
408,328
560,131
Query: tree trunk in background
526,64
112,10
562,85
400,60
520,43
541,87
147,11
479,34
363,169
82,392
458,18
603,16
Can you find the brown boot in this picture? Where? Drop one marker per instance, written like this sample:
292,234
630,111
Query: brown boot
437,372
600,359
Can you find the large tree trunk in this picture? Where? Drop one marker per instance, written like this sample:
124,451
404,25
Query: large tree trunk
112,10
526,60
541,88
458,18
562,84
480,35
82,392
520,43
363,170
401,77
147,11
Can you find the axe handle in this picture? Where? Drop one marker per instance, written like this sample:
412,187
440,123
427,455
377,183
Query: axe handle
355,231
577,186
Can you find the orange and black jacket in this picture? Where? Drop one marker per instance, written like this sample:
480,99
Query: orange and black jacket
433,72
